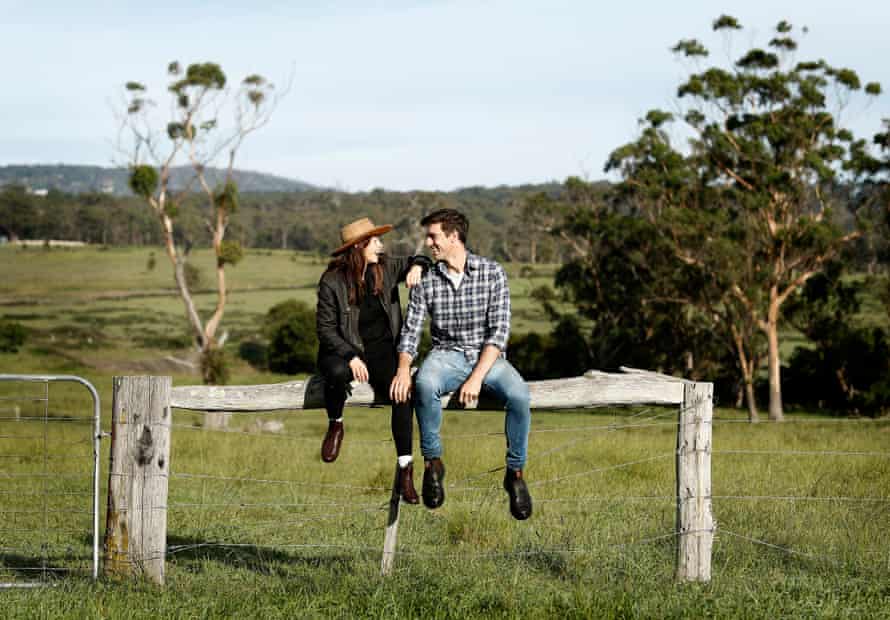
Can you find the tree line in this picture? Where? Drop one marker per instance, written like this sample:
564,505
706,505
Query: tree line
305,221
721,239
745,210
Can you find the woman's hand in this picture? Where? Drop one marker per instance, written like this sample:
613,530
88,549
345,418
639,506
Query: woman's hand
414,275
359,369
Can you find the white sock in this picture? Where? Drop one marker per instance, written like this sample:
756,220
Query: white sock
340,419
404,461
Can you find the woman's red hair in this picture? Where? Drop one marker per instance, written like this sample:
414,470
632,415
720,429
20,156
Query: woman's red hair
351,264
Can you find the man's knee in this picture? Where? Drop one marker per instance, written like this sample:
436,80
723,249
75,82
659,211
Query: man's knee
426,385
518,395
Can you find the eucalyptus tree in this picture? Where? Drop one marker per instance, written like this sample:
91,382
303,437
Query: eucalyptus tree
706,248
539,215
748,202
207,123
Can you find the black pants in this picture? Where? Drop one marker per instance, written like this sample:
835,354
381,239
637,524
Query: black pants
382,365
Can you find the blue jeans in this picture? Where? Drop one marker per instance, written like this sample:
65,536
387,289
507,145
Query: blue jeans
445,371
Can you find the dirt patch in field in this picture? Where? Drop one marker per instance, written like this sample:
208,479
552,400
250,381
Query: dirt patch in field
166,365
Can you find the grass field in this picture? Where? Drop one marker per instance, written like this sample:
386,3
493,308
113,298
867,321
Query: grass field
104,309
259,527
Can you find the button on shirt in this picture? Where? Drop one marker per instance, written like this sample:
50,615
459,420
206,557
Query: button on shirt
465,317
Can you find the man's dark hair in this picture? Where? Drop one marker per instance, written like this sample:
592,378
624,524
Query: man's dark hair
451,220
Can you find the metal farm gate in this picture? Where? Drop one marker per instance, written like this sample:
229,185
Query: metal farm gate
49,481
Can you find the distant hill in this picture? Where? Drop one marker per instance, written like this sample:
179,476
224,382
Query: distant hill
85,179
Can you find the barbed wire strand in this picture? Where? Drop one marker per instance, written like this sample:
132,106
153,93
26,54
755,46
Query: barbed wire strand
807,498
431,554
275,481
53,419
802,453
561,500
602,469
370,488
556,449
609,427
773,424
49,493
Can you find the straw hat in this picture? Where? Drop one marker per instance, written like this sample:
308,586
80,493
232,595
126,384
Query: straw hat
357,231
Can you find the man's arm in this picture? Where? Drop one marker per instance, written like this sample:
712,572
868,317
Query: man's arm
400,388
498,313
497,332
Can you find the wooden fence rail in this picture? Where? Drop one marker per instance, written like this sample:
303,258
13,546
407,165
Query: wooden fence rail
141,444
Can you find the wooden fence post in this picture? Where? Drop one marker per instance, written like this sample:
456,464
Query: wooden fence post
695,523
136,523
392,527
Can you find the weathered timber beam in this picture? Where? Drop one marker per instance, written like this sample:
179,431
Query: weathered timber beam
591,390
652,373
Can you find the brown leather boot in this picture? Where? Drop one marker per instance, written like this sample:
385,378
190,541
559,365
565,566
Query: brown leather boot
330,447
406,484
433,489
520,498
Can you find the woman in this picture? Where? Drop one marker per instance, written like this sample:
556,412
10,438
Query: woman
359,318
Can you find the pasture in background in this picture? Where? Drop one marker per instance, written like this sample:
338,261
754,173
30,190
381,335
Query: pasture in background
259,527
103,312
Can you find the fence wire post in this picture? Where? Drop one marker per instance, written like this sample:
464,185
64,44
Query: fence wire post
136,523
695,522
392,528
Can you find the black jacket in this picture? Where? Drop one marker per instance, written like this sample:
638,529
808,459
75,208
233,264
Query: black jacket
336,320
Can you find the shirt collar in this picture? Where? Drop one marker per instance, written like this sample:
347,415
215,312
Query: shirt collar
471,265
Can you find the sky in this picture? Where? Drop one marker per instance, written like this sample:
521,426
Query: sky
403,95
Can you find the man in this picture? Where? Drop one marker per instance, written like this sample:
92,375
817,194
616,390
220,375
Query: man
468,302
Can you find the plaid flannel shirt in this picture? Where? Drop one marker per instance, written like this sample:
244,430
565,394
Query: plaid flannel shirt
465,319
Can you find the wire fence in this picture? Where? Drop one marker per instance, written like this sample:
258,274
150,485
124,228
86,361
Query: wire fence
365,517
44,534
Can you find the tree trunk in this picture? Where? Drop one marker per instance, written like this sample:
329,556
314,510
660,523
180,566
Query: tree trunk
178,262
748,367
190,311
533,250
772,337
212,324
753,414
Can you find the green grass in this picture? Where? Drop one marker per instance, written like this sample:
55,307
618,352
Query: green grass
593,548
94,304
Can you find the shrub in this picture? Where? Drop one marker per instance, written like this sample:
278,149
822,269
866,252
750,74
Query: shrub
193,276
293,342
12,336
562,353
214,367
847,373
254,353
